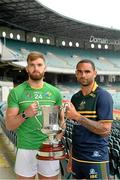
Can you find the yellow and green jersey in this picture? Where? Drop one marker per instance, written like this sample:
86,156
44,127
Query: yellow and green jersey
29,135
96,106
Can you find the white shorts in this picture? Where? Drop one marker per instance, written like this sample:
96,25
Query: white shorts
27,165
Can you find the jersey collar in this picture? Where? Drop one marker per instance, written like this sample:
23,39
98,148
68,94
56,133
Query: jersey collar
94,87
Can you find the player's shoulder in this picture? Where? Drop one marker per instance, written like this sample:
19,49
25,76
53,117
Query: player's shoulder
52,87
104,93
20,87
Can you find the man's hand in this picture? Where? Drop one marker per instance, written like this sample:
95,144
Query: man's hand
69,165
101,127
71,112
32,110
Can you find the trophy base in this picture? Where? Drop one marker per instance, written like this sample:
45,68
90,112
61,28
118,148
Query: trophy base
51,152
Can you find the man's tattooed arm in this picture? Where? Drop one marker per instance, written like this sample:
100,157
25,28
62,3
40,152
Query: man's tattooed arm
97,127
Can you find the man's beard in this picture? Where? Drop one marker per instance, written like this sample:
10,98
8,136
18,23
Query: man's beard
36,77
85,83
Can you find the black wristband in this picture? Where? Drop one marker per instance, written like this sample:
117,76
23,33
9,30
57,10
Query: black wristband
24,115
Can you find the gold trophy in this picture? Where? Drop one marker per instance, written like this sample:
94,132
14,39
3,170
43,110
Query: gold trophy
51,149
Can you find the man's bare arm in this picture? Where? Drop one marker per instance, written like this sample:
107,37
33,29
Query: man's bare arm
14,119
101,128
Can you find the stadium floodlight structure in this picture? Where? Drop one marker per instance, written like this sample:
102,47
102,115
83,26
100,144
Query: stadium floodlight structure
12,33
39,38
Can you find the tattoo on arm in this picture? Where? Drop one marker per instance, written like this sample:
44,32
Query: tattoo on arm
94,126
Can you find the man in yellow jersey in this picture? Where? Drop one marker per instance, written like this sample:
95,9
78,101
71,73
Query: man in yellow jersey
24,116
91,110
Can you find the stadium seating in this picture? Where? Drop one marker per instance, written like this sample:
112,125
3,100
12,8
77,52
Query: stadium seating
114,149
55,61
10,134
65,57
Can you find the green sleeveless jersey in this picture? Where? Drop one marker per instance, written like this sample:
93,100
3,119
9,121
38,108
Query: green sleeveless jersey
29,135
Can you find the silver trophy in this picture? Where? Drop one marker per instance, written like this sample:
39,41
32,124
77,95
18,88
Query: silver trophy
51,149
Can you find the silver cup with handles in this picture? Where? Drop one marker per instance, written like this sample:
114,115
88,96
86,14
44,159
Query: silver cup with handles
51,149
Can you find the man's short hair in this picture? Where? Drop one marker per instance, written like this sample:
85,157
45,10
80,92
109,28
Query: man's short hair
35,55
86,61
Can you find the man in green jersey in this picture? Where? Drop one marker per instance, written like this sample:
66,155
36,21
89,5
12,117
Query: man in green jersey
24,116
